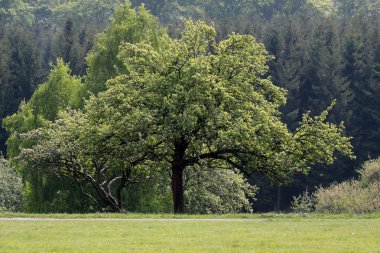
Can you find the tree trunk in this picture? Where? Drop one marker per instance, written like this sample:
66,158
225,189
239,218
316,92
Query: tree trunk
108,199
178,165
177,189
119,190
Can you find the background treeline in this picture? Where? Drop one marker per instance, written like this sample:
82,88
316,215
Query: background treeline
323,51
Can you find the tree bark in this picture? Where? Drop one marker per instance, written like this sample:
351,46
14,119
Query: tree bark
120,189
178,165
177,189
103,194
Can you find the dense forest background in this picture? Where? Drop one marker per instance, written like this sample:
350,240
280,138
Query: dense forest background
324,50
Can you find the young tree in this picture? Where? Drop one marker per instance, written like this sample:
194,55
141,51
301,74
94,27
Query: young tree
60,92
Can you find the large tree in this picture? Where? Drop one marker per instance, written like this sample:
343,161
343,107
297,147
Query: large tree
194,102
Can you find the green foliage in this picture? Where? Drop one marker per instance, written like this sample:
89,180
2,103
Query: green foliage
128,25
4,77
304,203
15,11
98,11
200,101
361,64
60,92
370,173
22,121
319,139
152,195
318,58
171,11
77,147
353,196
217,191
53,12
325,6
72,47
358,7
11,198
23,64
20,70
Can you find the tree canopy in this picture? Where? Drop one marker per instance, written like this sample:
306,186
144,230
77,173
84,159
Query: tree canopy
195,102
127,25
323,50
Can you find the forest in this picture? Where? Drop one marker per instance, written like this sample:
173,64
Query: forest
186,105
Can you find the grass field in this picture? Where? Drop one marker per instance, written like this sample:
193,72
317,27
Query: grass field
180,235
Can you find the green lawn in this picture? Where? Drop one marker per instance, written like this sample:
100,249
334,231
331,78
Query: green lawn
240,235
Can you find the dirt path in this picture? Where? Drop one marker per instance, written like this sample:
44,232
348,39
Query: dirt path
169,219
122,219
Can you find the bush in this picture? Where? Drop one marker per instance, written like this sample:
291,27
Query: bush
353,196
218,191
11,198
304,203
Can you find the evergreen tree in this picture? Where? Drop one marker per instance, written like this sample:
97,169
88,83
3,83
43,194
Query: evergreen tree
20,71
4,78
70,48
24,68
361,69
284,41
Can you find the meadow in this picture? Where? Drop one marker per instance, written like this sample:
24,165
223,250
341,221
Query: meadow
168,233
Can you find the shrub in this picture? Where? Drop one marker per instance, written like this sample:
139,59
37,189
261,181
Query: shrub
304,203
353,196
218,191
11,198
370,174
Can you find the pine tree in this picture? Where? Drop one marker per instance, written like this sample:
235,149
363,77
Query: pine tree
284,41
24,68
70,49
362,67
4,79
